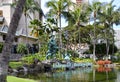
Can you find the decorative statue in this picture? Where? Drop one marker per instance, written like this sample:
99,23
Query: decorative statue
52,47
67,57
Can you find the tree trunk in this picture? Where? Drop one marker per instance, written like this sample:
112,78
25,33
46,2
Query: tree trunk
107,48
94,42
60,34
4,57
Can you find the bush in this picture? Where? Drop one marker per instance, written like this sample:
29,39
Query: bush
116,57
101,49
73,53
15,64
30,58
21,48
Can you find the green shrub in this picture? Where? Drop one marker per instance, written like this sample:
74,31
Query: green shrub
73,53
43,49
101,49
15,64
21,48
118,56
30,58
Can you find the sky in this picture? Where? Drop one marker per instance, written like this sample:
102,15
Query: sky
45,9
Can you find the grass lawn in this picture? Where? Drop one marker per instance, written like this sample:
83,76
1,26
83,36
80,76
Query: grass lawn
16,79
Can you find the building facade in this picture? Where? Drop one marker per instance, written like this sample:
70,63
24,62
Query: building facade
23,30
81,1
117,38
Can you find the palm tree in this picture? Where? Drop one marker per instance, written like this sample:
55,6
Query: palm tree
108,17
4,57
77,17
40,29
94,8
58,8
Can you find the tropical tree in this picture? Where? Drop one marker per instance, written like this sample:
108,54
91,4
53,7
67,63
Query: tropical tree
94,8
42,31
77,18
108,17
4,57
57,9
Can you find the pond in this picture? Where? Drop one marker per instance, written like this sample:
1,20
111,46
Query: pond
84,74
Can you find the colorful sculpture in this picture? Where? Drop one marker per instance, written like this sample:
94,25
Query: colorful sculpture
52,48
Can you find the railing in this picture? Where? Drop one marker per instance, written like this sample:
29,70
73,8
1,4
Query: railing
71,65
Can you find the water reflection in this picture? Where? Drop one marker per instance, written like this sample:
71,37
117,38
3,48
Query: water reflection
79,75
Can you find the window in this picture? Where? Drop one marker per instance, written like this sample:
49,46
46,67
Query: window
4,36
16,39
5,28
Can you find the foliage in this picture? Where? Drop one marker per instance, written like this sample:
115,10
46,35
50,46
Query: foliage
15,64
43,49
58,9
101,49
30,58
39,28
30,6
16,79
21,48
117,54
72,53
1,47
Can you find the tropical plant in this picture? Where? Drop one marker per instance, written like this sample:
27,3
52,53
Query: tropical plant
30,59
58,8
76,21
42,31
108,17
94,8
4,57
21,48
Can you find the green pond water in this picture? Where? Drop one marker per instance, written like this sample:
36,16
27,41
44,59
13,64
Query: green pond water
87,74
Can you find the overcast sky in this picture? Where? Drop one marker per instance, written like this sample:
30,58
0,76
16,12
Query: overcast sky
45,10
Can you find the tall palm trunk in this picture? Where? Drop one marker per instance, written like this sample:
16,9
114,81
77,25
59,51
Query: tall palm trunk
79,43
60,33
113,41
94,42
107,47
4,57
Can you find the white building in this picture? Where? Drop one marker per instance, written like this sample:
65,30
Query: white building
6,13
117,38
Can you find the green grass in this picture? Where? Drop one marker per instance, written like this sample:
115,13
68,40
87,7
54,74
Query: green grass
16,79
15,64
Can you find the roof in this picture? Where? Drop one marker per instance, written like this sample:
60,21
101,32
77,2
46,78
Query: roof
4,30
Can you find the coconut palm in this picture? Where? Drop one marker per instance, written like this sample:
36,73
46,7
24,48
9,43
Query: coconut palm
94,8
58,8
77,18
108,17
4,57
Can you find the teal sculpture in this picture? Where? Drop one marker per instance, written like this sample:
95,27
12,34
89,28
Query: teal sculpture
52,48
